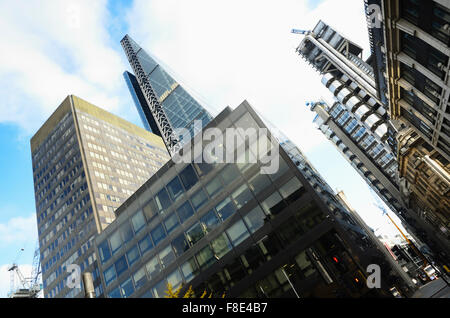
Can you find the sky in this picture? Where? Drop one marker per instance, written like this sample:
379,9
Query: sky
221,51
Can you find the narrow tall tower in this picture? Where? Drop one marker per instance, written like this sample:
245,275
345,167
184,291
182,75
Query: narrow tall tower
165,105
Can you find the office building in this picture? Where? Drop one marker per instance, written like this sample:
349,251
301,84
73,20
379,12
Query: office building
86,163
163,104
228,228
412,44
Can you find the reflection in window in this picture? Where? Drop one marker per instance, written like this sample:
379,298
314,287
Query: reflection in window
255,219
221,246
188,177
282,168
241,196
238,232
259,182
145,245
225,209
175,188
105,253
127,288
150,210
229,173
210,221
110,275
195,233
133,255
115,293
214,186
205,257
305,265
166,256
138,221
273,204
139,278
116,242
162,200
180,244
158,234
189,269
153,267
171,223
121,265
160,289
199,199
203,168
175,279
185,211
127,232
289,190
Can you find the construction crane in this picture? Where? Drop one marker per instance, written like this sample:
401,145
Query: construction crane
30,287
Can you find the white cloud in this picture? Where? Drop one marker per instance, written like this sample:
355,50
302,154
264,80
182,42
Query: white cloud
235,50
18,230
5,285
51,49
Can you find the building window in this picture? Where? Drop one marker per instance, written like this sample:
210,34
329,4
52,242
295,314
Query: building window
171,223
139,278
229,173
160,289
150,210
195,233
115,241
188,177
145,245
158,234
166,256
175,188
174,279
205,257
110,275
138,221
185,211
273,204
210,221
121,265
162,200
213,187
255,219
225,209
180,244
241,196
153,267
199,199
127,288
105,253
258,182
238,232
115,293
290,190
221,246
133,255
127,232
189,269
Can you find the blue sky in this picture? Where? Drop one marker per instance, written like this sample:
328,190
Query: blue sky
222,51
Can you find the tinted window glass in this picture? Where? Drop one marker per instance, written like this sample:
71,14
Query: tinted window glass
110,275
105,253
199,199
127,288
214,186
174,279
289,190
205,257
195,233
166,256
145,245
175,188
241,196
116,242
185,212
273,204
138,221
221,246
140,278
171,223
259,182
255,219
162,200
127,232
188,177
121,265
158,234
237,232
115,293
153,267
225,209
133,255
150,210
180,244
229,173
189,269
210,221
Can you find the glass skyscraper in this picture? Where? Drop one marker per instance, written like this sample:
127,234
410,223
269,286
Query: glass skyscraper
162,102
86,163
